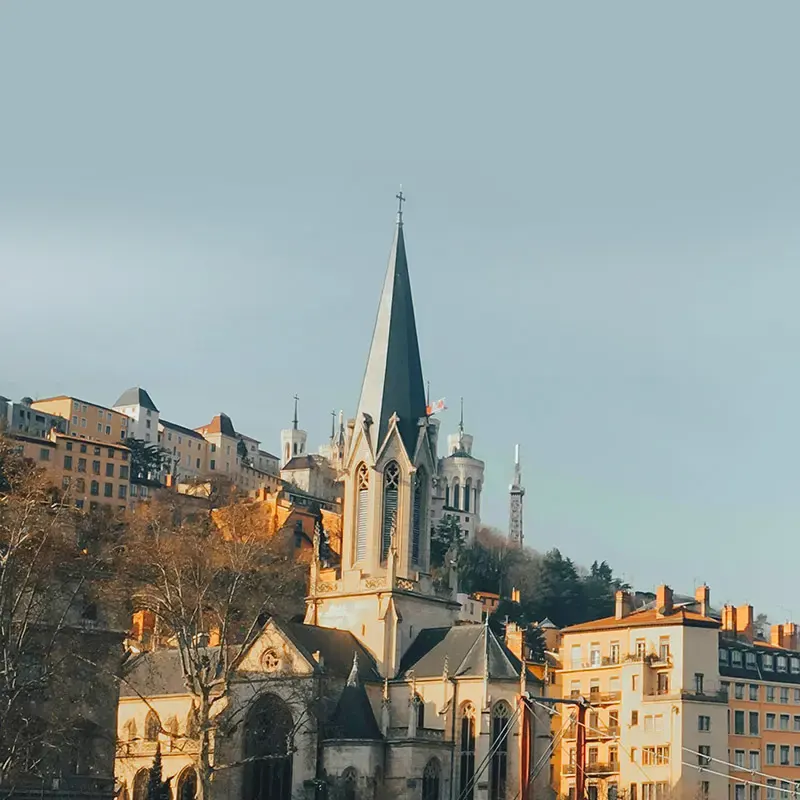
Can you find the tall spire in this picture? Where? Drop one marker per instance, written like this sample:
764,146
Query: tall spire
294,419
393,378
516,493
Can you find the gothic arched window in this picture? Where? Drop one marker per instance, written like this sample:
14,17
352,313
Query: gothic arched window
391,490
130,729
501,716
431,779
419,709
187,785
362,501
268,733
349,783
140,784
466,744
467,493
152,726
447,494
419,501
456,495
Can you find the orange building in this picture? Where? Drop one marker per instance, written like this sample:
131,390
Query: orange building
93,473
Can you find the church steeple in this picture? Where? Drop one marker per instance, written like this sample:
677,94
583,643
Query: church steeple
393,379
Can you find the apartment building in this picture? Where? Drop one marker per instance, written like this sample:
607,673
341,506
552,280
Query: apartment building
93,473
86,420
763,683
655,694
22,418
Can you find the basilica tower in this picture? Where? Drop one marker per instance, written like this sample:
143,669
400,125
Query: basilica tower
383,591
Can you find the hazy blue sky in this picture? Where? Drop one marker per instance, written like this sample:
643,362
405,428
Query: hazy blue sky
602,228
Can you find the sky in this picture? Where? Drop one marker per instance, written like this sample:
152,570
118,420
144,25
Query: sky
602,231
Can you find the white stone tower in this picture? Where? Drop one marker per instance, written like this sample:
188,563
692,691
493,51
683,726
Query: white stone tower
293,440
460,481
516,493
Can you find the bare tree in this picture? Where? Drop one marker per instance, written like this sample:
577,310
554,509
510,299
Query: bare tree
210,583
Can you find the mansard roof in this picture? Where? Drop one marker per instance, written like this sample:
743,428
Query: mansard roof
393,378
136,396
466,649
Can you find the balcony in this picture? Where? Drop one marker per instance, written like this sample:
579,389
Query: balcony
705,696
601,698
594,768
610,732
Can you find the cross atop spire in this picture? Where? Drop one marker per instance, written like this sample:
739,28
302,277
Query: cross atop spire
294,420
401,198
461,421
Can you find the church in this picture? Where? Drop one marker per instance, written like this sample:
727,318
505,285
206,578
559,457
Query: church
380,692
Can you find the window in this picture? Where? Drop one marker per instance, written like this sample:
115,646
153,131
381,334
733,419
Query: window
736,658
738,691
420,484
723,655
83,448
641,649
663,648
784,722
123,491
349,781
466,770
501,715
67,462
80,484
769,722
575,656
704,755
268,747
738,723
391,488
738,792
124,455
767,661
123,472
771,784
594,654
152,726
782,664
362,503
634,682
784,693
95,467
655,756
794,665
738,758
754,692
770,694
614,653
83,422
755,760
750,660
769,755
662,683
94,489
81,465
44,454
754,792
108,490
784,755
213,464
74,420
753,729
703,723
69,446
634,718
797,756
796,722
109,470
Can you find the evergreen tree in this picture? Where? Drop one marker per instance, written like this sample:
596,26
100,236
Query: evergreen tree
157,789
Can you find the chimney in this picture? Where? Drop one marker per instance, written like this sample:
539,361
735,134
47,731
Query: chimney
728,619
744,622
776,636
702,596
790,636
623,604
515,637
169,480
663,601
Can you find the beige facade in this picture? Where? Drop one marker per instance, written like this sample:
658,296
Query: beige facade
86,420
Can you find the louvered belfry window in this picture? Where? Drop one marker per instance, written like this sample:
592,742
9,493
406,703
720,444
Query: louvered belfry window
362,501
416,529
391,486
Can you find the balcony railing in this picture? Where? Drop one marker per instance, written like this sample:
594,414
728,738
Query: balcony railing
598,698
610,732
705,695
594,768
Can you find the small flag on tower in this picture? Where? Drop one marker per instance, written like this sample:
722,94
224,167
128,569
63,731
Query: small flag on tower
434,408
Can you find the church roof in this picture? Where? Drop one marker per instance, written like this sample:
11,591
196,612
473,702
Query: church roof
353,717
136,396
466,648
393,377
303,462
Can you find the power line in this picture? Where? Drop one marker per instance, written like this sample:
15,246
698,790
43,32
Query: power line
731,764
776,787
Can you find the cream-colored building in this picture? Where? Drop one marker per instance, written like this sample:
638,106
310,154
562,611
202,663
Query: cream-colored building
86,420
431,709
652,682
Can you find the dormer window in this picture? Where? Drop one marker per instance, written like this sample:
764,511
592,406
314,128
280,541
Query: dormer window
750,661
767,661
723,655
736,658
782,664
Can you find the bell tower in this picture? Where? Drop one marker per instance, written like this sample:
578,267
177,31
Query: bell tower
383,591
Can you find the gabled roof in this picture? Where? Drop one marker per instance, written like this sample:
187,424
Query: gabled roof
180,429
353,717
136,396
393,377
299,462
646,617
466,648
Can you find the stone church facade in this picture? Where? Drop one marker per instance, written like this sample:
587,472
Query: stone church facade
379,692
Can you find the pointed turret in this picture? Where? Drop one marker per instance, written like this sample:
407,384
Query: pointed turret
393,379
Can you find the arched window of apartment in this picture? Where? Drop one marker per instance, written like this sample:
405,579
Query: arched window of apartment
467,493
268,748
420,485
187,785
152,726
456,494
498,772
431,780
391,491
349,782
466,745
362,502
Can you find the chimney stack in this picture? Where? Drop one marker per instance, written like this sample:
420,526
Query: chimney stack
744,622
729,619
515,639
663,601
623,604
776,636
703,597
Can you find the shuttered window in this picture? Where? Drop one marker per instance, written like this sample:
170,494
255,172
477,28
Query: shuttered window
391,485
362,501
416,531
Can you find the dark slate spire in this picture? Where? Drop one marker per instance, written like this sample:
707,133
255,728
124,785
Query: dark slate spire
393,379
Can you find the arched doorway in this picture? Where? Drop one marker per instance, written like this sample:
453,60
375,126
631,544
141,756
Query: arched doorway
187,785
431,780
268,735
140,784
